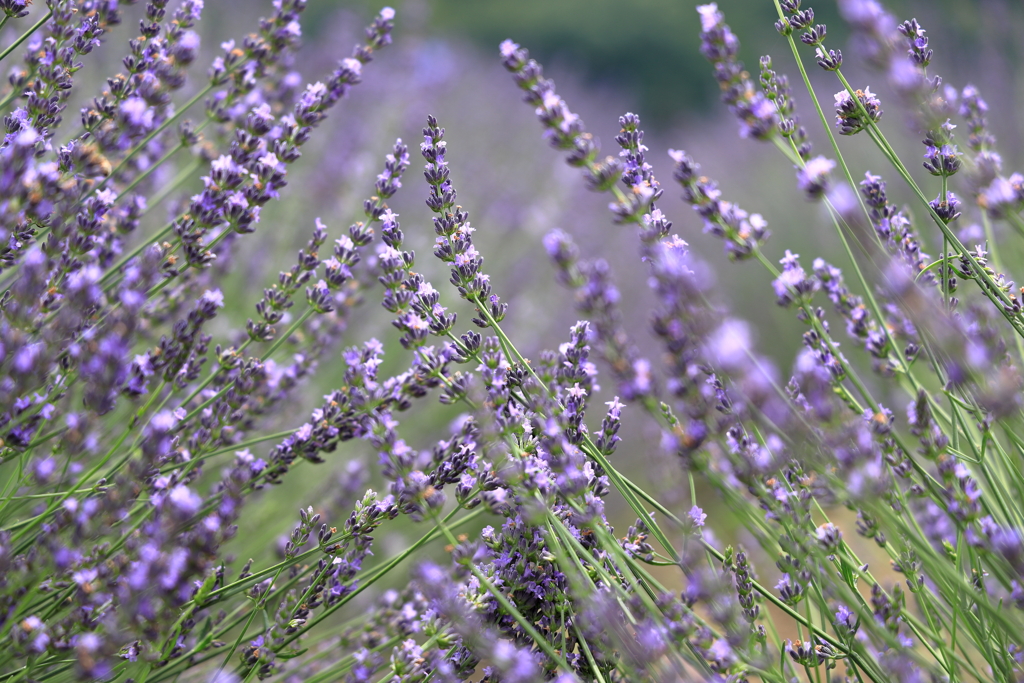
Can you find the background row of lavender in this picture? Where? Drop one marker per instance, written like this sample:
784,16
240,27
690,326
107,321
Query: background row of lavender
167,400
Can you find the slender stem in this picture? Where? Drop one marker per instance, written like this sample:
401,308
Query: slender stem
241,636
230,449
944,270
825,123
991,290
764,592
24,36
144,142
384,569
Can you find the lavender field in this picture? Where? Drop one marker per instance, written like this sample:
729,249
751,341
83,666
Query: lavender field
342,343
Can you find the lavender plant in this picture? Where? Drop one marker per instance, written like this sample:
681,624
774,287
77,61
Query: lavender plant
145,415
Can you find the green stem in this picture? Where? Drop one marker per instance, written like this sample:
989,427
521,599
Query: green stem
383,570
24,36
992,291
825,123
241,636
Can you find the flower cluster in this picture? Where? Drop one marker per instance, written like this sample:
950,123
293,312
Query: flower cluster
854,114
756,112
743,232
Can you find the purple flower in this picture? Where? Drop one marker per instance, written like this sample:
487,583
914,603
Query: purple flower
138,113
814,176
1003,196
854,115
184,500
946,208
793,284
828,536
758,116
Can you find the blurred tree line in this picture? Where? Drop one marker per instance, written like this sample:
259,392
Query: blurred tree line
649,48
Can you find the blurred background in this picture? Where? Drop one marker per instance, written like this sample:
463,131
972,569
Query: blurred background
607,57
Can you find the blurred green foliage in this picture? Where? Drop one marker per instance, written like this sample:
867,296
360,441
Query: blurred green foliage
650,48
647,47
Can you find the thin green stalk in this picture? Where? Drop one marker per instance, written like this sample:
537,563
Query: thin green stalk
241,636
14,92
229,449
117,268
180,179
991,290
31,523
825,123
764,592
944,270
826,338
153,134
994,250
236,587
942,574
288,333
334,673
574,559
24,36
384,569
1015,222
589,446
